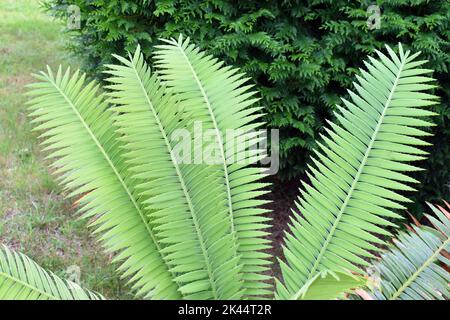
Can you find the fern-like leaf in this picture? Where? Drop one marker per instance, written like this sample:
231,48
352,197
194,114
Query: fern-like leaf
358,172
23,279
87,156
412,268
222,102
185,201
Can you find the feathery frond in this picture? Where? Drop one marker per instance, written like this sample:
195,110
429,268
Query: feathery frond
223,103
23,279
412,268
359,171
185,202
86,154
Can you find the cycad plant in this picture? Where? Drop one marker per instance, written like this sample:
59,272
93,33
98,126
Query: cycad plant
416,266
358,172
183,230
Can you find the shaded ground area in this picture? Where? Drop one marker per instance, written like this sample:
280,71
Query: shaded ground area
282,195
34,217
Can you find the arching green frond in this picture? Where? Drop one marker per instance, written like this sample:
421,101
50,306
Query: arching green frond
329,285
412,268
79,136
186,203
23,279
358,172
222,102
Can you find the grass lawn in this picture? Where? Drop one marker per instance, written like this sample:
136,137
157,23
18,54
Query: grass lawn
34,216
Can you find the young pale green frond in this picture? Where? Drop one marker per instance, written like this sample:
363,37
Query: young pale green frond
358,172
185,201
412,268
23,279
79,136
219,98
329,285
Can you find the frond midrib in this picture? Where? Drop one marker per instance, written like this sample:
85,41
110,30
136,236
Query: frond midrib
27,285
111,164
355,181
183,185
413,277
